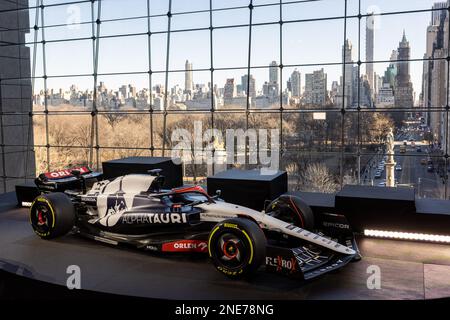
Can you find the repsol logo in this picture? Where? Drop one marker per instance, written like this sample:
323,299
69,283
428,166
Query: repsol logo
154,218
336,225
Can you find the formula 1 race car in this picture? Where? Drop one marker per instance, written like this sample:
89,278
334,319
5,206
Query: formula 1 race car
135,210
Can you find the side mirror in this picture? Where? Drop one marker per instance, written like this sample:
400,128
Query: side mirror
266,204
218,194
154,172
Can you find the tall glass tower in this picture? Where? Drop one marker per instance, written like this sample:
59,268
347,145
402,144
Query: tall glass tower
370,35
188,78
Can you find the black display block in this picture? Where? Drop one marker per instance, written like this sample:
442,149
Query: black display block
393,209
319,202
376,199
248,188
26,193
433,216
378,208
172,172
384,209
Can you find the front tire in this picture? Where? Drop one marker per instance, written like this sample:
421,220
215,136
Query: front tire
237,247
52,215
293,210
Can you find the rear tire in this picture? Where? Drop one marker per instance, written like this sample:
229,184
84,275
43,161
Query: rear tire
52,215
237,247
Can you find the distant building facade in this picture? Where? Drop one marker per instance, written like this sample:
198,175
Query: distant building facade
251,83
229,92
316,88
295,84
434,80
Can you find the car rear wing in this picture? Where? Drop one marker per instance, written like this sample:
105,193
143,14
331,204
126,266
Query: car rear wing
66,179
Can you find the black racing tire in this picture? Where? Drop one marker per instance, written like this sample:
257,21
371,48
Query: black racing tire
292,209
52,215
237,247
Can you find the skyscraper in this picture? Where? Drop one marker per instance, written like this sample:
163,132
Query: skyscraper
316,88
404,96
404,50
346,88
251,84
273,73
427,75
188,78
124,92
365,92
229,92
296,83
334,93
434,80
439,8
370,35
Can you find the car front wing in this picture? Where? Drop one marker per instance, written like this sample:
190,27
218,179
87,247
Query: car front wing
307,261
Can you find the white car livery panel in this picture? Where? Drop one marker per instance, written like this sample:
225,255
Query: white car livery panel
115,197
220,211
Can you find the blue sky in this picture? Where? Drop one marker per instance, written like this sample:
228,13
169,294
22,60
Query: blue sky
303,42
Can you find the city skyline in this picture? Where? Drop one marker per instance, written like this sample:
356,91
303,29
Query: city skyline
313,92
299,45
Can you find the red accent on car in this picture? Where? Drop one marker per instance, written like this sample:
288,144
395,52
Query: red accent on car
279,263
230,255
298,212
185,246
59,174
40,218
191,189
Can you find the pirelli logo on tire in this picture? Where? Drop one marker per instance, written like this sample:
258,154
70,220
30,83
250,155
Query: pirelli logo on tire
229,272
40,234
230,225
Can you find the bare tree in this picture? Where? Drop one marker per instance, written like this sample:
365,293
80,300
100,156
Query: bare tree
375,127
317,178
179,122
82,137
113,118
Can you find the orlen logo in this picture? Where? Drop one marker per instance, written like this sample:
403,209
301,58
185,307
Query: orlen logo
185,246
65,173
